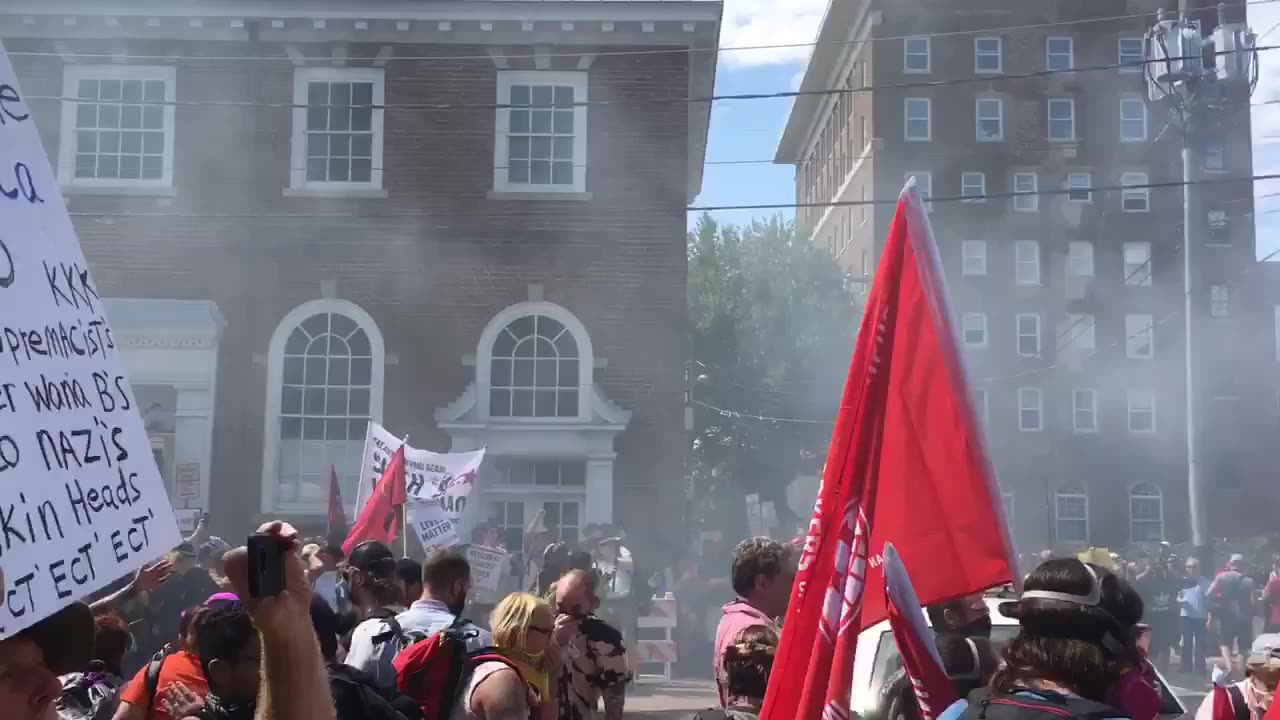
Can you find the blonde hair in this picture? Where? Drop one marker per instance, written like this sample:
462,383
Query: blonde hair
510,620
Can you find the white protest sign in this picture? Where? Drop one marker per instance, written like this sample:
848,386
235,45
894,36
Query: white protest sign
487,566
437,485
81,500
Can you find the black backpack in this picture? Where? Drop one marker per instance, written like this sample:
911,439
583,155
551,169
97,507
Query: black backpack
152,677
1035,705
357,697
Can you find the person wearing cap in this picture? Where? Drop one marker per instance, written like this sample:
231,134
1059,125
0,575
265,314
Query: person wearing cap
1231,608
188,585
1251,697
378,595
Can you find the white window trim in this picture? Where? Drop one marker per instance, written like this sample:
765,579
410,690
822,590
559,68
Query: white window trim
1071,53
1135,178
1039,396
1129,411
275,383
71,77
1120,53
1088,177
1016,262
586,360
298,154
1146,281
1032,195
977,119
928,55
1128,101
1157,496
1130,335
982,186
1018,335
502,128
999,55
964,330
1049,103
1076,410
982,256
906,119
1074,245
1058,519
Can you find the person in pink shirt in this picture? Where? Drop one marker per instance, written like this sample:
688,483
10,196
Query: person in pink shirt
762,573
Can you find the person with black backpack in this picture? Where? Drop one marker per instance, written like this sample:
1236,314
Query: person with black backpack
378,594
1067,656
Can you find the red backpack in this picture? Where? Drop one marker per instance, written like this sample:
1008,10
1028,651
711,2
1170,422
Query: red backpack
431,670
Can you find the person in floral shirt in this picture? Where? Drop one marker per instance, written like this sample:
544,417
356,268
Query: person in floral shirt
595,660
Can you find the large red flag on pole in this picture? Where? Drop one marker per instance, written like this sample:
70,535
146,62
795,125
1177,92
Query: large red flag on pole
906,464
934,691
337,521
380,517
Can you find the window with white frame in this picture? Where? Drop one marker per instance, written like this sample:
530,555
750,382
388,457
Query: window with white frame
1130,53
1062,119
1026,262
1146,513
1028,331
1071,517
1084,411
1027,187
918,123
119,131
1133,119
989,118
924,183
1059,53
1137,264
326,363
1080,258
973,258
540,143
981,405
1135,199
1080,187
535,370
1142,411
987,55
973,185
974,329
1139,336
337,128
1030,409
1219,301
1079,332
915,55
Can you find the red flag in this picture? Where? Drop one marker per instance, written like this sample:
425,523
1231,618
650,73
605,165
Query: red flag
337,517
1222,705
934,691
1273,711
906,464
380,518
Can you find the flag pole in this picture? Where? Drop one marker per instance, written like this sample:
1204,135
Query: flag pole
404,524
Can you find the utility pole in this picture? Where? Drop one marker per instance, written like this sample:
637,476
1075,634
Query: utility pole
1198,92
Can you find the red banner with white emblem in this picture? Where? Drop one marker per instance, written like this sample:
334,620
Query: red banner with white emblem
906,465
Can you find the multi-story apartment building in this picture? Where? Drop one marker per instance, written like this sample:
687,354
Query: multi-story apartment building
1069,302
461,219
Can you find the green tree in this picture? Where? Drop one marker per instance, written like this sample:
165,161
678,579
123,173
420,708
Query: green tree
772,320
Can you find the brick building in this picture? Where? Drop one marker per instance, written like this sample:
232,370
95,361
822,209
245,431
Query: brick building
1069,304
312,216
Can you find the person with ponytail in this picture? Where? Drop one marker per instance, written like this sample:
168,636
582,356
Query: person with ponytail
748,660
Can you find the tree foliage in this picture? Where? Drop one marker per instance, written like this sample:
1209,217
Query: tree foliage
772,319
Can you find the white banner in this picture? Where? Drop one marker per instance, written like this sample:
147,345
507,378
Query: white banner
81,501
437,484
487,567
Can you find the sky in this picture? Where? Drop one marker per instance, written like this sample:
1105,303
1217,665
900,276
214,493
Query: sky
750,129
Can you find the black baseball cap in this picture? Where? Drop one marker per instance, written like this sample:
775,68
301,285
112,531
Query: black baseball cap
374,557
65,638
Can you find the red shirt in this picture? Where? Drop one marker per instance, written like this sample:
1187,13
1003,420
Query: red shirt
181,667
1271,599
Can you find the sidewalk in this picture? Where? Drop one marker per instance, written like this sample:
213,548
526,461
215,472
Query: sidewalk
675,700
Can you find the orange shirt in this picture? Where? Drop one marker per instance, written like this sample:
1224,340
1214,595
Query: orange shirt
181,667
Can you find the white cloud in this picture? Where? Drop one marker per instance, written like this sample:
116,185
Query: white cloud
769,22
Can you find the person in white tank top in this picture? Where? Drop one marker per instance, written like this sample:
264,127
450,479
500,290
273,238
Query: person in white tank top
522,625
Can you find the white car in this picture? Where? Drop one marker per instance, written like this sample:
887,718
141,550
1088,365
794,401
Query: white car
877,660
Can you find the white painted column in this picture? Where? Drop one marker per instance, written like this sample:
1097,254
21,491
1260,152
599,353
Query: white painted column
193,430
599,489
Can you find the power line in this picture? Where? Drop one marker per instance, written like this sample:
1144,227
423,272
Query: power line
625,53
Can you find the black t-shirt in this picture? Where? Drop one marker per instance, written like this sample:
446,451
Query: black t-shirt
1160,593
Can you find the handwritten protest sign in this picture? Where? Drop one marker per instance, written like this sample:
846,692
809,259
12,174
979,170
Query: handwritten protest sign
81,500
487,566
437,485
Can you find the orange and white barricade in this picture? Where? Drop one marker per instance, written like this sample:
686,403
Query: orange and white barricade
656,650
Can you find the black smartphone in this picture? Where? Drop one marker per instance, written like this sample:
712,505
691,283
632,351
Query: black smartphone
266,565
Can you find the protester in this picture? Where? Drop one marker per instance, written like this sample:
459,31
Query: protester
747,663
763,571
410,572
1231,608
445,580
175,663
322,571
209,558
187,586
355,695
522,629
594,656
230,653
1251,697
378,595
556,558
537,538
1271,601
1159,588
94,693
1194,612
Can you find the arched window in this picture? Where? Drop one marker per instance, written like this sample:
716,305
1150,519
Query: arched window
325,384
1146,513
538,359
1071,517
